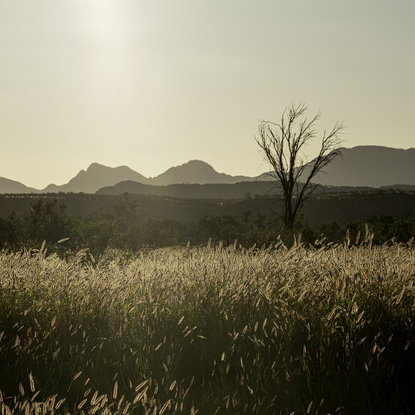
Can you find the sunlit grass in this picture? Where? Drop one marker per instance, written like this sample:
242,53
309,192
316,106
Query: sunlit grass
210,331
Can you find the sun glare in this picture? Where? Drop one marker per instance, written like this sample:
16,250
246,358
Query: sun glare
102,32
102,22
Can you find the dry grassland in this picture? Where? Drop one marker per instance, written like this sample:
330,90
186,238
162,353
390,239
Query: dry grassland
210,331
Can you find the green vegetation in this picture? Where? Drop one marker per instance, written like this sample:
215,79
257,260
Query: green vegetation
123,226
210,330
342,205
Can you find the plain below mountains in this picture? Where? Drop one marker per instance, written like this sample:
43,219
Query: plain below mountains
362,166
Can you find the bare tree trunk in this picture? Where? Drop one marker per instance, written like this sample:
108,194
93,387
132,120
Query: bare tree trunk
283,149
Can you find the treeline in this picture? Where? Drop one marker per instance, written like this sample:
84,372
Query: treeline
124,228
343,207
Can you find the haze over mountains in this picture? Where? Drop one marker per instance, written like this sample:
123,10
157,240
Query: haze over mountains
362,166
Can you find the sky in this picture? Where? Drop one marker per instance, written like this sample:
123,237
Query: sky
152,84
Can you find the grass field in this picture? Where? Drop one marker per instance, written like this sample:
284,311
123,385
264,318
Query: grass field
210,331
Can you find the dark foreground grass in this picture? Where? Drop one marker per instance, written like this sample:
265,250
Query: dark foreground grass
210,331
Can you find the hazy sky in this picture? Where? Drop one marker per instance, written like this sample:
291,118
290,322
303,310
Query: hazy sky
155,83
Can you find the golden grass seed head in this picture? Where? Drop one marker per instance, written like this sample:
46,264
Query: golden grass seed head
94,398
77,375
82,404
165,406
115,390
120,403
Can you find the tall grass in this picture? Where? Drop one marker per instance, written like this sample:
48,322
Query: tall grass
210,331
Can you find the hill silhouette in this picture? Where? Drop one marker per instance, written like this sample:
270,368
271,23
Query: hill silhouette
94,177
195,172
12,186
372,166
193,191
98,176
363,166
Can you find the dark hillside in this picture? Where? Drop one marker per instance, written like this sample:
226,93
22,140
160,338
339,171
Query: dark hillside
239,190
340,207
193,191
322,208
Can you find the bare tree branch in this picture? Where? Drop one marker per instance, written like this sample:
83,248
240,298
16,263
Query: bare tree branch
282,148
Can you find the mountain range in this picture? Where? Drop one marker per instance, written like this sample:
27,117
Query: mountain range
98,176
362,166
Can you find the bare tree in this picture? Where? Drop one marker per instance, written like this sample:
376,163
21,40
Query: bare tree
283,147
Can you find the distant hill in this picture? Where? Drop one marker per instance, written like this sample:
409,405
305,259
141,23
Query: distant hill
241,190
371,166
195,172
95,177
363,166
11,186
193,191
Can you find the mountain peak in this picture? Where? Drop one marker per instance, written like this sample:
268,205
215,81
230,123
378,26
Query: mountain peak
194,165
195,172
97,176
96,166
